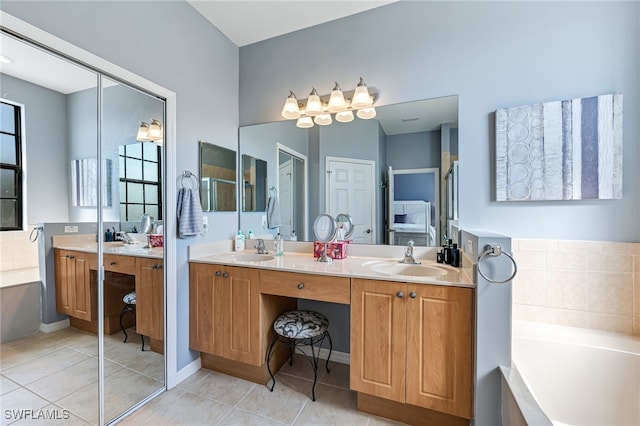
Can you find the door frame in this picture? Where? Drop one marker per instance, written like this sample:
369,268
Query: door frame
305,162
374,211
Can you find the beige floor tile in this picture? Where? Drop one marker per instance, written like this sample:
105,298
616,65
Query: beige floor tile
19,399
338,375
24,350
7,385
194,379
240,417
53,415
45,365
222,388
179,408
289,396
333,406
381,421
58,385
124,389
131,356
303,368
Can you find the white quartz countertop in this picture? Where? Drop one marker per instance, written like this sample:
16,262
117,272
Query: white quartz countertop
378,268
118,248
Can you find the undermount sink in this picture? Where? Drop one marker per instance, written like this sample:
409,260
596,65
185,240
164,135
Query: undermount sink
252,257
411,270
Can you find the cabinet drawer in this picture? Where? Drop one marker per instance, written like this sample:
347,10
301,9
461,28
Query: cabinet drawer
306,286
122,264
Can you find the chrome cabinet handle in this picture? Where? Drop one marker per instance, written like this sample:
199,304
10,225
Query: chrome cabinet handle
412,295
400,294
225,275
113,263
218,273
300,286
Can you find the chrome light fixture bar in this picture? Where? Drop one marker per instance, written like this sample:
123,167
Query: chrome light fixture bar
318,109
150,132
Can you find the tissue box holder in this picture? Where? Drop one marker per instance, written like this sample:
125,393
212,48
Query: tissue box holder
156,240
335,250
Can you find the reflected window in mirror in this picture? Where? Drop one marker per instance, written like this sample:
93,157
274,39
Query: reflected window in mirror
254,184
140,183
11,185
218,174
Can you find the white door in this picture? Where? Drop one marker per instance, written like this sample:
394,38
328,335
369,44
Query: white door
391,237
350,189
285,196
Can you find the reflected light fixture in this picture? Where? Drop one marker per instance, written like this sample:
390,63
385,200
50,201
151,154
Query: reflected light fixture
318,109
150,132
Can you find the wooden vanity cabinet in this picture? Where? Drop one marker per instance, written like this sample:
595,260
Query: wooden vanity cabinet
150,296
224,306
73,284
413,343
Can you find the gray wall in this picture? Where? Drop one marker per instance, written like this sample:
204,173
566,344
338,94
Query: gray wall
45,137
491,54
197,62
414,150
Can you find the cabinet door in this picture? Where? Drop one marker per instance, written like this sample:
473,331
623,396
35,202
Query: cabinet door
241,304
150,297
80,286
63,291
378,333
439,348
205,316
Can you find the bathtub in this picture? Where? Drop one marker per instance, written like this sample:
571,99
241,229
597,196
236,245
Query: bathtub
576,376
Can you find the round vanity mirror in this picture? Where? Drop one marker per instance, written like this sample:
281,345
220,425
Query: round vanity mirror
146,224
324,228
345,226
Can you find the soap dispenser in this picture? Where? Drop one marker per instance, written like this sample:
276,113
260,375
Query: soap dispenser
239,246
278,246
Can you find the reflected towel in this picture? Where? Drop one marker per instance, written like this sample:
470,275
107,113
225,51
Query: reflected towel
189,213
273,211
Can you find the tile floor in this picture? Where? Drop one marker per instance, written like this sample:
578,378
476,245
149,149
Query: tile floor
50,373
58,371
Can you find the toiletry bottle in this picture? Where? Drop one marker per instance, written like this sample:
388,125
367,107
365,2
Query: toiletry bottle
239,241
293,236
108,237
278,246
446,253
440,256
455,255
251,236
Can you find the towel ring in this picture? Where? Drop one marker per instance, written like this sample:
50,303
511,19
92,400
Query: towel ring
191,179
495,251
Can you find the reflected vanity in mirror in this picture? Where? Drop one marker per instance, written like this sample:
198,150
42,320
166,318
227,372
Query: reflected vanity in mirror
217,178
408,147
254,184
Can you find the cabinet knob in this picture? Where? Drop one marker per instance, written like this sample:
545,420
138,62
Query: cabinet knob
113,263
300,286
159,266
225,275
218,273
400,294
412,295
71,257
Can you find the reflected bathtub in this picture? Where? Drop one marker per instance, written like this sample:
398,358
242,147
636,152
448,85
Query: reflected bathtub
579,376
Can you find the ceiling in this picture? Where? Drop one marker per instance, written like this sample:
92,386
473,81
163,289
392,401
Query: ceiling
247,22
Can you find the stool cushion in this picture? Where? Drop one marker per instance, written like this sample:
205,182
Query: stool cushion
301,324
130,298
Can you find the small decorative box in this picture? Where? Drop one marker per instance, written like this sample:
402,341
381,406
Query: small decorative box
335,250
156,240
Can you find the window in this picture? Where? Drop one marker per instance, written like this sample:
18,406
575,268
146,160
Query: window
11,173
140,187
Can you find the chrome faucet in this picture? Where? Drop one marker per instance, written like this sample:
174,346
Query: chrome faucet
408,254
260,247
124,237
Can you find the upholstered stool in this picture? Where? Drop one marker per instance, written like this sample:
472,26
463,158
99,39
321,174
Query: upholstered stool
129,300
300,328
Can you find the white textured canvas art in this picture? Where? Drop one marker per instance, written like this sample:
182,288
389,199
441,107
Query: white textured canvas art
563,150
84,181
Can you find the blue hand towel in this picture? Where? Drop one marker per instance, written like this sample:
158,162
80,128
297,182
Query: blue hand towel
189,213
273,211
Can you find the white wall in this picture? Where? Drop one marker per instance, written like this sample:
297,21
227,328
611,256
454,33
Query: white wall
491,54
172,45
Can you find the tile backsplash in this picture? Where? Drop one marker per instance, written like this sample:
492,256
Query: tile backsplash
589,284
16,251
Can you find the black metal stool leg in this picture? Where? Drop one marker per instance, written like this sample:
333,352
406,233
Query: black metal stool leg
269,353
314,356
124,310
330,350
142,338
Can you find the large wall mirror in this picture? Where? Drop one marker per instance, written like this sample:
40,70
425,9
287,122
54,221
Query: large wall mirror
217,178
405,152
60,104
254,184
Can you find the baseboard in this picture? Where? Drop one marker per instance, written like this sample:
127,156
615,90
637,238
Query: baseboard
336,356
54,326
185,372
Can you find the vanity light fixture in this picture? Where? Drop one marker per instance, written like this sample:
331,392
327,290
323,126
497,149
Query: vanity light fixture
318,109
150,132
